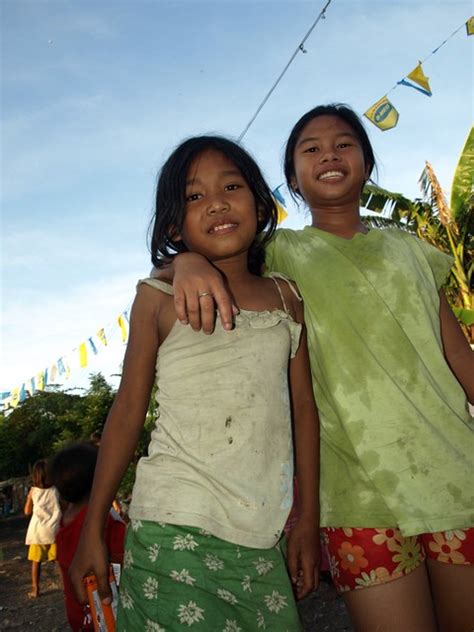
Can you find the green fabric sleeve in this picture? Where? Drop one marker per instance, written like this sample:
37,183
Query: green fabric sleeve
439,262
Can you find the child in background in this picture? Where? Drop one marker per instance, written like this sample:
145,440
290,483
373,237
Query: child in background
72,471
43,506
391,372
211,500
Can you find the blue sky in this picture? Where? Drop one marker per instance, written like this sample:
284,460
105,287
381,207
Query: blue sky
96,94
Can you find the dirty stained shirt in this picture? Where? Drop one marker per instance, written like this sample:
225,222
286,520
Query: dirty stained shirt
397,442
220,456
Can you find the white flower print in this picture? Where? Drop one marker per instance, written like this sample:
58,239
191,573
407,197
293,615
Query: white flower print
190,613
261,620
263,566
231,626
136,524
245,583
150,588
275,602
162,524
460,534
226,595
152,626
127,558
366,579
184,543
183,577
153,551
213,562
126,599
239,554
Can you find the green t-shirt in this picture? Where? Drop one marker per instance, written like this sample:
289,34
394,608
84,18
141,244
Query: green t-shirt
397,442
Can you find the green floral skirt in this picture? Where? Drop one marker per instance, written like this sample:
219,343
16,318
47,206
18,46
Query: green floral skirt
176,578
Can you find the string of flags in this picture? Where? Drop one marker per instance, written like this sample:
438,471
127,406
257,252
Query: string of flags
79,358
383,113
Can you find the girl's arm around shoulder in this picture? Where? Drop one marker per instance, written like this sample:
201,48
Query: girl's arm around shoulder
303,545
457,351
28,509
120,437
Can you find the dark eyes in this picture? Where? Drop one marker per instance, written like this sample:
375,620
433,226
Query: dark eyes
314,149
193,197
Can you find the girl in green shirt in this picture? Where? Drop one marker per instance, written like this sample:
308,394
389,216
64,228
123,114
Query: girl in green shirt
391,372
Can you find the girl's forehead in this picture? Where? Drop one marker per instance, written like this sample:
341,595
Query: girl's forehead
211,163
324,125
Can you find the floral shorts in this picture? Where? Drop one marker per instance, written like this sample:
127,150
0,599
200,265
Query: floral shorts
177,577
360,558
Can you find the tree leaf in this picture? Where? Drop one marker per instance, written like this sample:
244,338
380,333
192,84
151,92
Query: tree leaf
461,188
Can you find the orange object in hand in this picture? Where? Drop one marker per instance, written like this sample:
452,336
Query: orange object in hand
103,615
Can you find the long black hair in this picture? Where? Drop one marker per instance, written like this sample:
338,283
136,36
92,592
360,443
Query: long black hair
170,204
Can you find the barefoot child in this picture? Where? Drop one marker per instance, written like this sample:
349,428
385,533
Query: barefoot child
391,371
42,505
211,498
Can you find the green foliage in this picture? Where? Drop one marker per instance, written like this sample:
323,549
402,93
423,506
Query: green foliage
44,423
48,420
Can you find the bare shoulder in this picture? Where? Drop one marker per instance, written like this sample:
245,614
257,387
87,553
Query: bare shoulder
155,305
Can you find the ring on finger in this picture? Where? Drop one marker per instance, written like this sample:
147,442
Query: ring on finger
201,294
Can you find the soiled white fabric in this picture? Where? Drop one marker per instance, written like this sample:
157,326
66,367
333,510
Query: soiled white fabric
220,456
45,518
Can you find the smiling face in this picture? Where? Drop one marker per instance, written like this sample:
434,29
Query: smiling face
329,167
220,217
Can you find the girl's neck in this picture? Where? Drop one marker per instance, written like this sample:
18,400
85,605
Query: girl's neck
235,270
343,222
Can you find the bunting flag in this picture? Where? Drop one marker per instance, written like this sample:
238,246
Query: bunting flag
470,26
382,114
82,355
53,373
122,322
280,203
93,347
31,386
418,77
101,336
40,381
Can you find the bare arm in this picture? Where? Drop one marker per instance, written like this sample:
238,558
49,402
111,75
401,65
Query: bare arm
457,351
119,440
303,545
28,509
193,275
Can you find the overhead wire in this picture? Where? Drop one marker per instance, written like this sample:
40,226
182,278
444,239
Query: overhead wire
300,49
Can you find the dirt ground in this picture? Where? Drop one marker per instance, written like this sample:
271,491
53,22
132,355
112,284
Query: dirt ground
322,611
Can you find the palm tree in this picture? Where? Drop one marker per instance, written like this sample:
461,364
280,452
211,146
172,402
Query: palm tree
449,227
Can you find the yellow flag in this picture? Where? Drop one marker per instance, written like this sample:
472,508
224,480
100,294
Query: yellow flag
470,26
15,397
123,327
40,381
102,337
82,355
382,114
282,213
418,76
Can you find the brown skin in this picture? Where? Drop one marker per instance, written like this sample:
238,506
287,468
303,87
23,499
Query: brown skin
35,566
435,592
224,199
